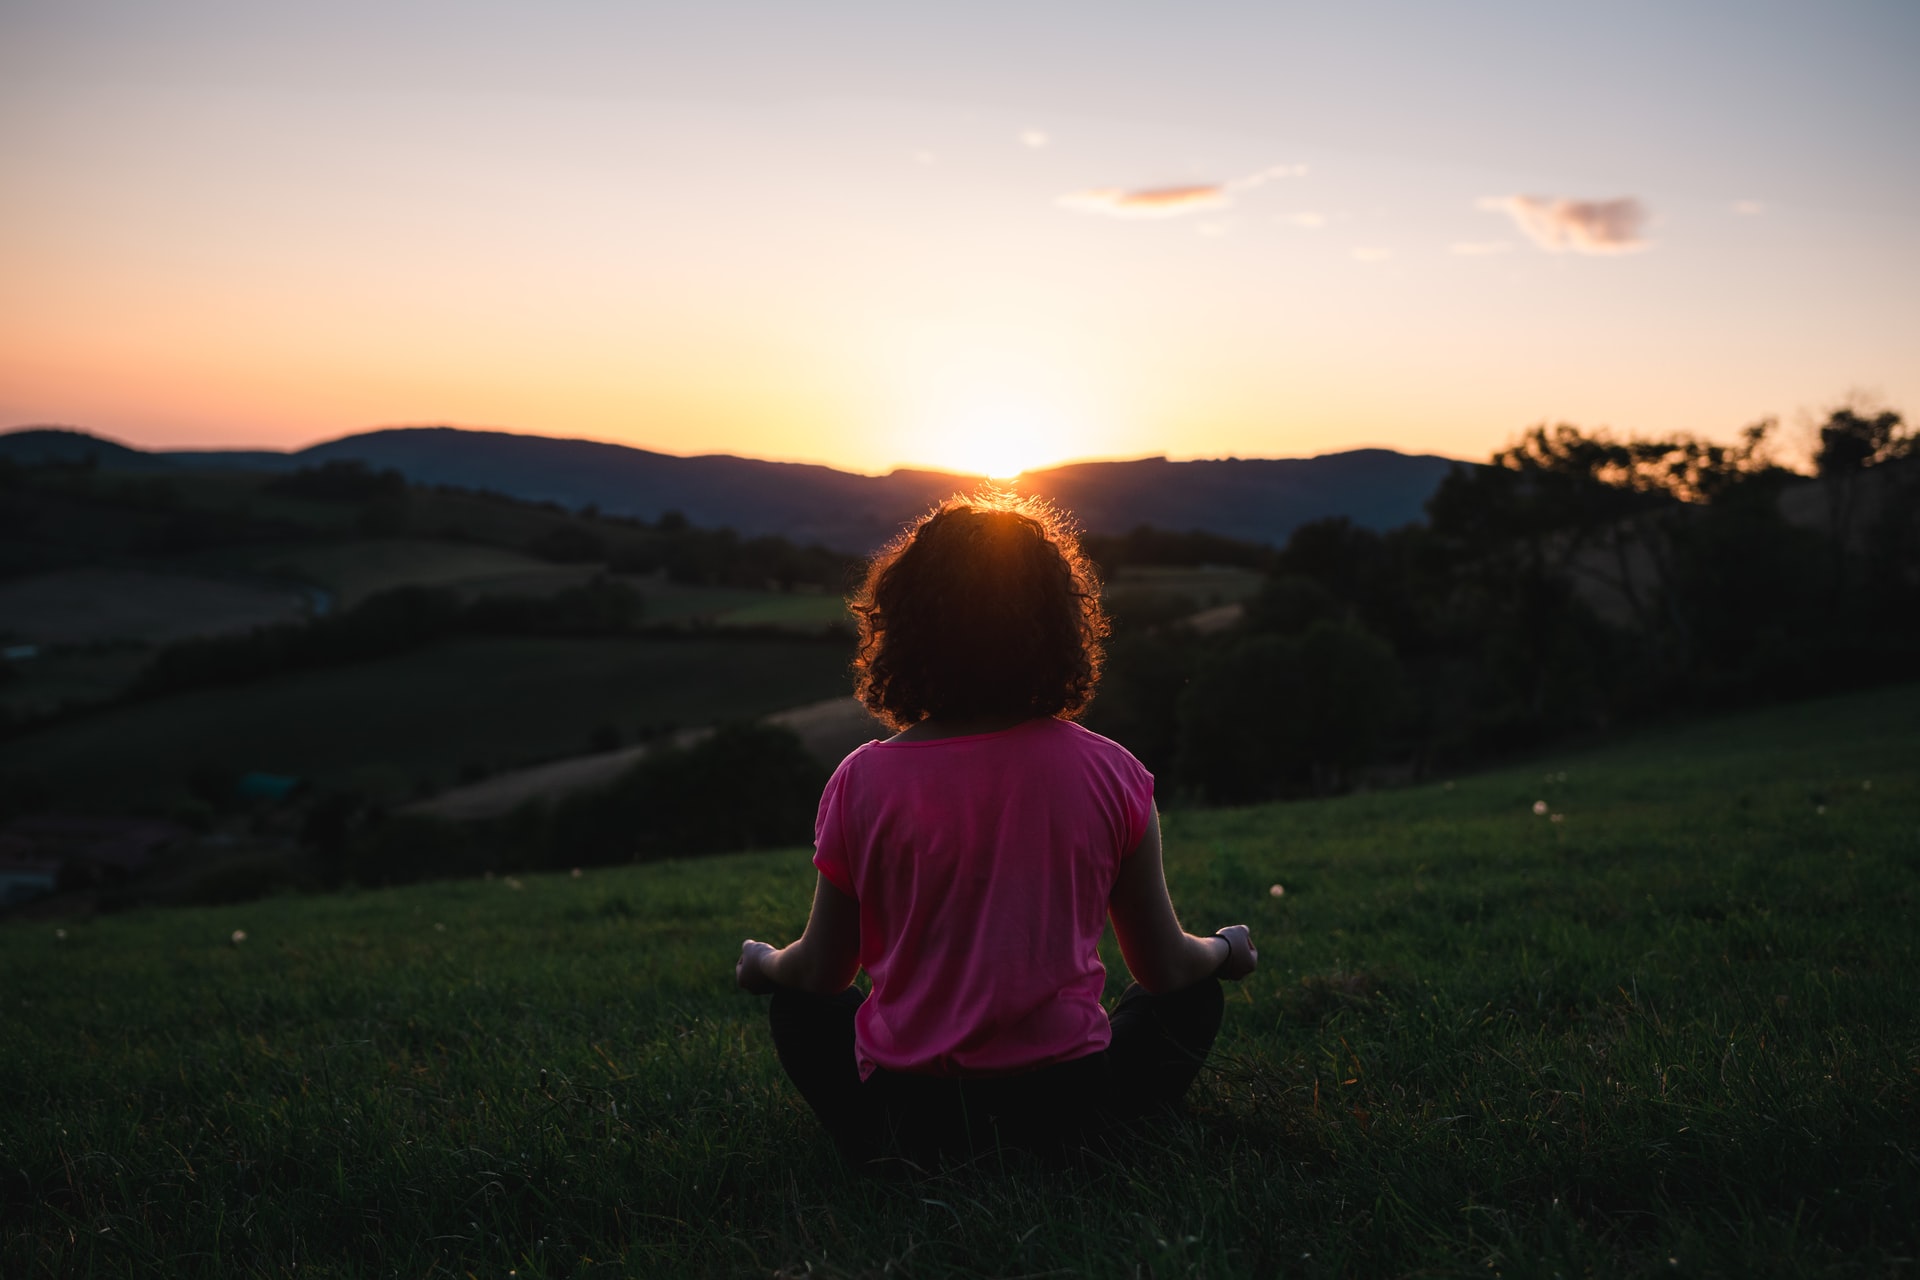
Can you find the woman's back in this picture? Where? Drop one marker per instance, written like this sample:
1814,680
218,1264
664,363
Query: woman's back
970,863
983,867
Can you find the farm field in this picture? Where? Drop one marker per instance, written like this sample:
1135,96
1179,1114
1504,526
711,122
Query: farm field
1674,1031
1208,586
355,569
400,725
60,678
95,606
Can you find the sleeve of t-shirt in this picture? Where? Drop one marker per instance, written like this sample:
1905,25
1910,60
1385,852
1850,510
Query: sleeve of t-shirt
830,832
1137,790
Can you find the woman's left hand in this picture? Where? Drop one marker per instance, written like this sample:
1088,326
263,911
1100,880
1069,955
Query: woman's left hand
750,973
1242,956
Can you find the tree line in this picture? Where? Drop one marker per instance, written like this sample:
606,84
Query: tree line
1576,583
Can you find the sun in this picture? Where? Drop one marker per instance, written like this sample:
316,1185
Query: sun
998,440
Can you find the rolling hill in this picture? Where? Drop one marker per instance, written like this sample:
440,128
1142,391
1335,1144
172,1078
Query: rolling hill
1258,499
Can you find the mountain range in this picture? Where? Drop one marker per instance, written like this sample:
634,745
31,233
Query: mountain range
1256,499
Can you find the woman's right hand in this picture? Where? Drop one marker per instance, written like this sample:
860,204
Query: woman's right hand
749,972
1242,956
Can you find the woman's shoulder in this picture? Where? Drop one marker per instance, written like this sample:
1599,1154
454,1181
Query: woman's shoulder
854,761
1073,736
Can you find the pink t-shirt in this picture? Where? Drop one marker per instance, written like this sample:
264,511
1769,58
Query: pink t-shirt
983,866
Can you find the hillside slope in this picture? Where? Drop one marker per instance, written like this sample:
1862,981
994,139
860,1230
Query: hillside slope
1666,1035
1258,499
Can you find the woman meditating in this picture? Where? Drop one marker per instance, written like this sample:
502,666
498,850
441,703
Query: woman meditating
970,862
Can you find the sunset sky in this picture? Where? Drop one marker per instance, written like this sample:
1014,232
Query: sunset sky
980,236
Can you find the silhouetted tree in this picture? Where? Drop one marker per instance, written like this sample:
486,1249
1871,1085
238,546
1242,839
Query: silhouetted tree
1851,441
1276,715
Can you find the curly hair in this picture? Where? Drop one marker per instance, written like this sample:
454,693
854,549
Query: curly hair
984,606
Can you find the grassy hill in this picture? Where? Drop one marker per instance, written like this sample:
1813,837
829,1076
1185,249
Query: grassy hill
1673,1031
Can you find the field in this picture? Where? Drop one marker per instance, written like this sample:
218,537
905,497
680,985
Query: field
99,606
354,569
400,725
1207,586
1673,1031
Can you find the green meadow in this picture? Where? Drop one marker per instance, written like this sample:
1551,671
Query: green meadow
1673,1030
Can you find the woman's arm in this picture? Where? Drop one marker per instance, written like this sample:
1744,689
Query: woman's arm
823,961
1160,954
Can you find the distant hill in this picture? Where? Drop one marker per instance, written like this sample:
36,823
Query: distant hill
1259,499
40,446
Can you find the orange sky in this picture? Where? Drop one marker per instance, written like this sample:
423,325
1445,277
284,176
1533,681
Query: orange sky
867,242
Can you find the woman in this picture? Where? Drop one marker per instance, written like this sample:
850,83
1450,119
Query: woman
970,862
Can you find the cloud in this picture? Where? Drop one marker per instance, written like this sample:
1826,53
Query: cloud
1034,138
1311,221
1171,202
1749,208
1372,255
1479,248
1148,202
1579,226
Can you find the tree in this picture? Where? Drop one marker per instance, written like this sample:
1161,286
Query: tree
1850,442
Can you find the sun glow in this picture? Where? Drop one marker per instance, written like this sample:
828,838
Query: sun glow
998,440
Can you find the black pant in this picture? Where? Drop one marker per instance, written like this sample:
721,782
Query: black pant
1159,1043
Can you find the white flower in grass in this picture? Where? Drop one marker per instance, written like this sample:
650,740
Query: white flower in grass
577,873
239,936
1277,891
439,928
1819,808
514,884
1540,808
59,935
1556,817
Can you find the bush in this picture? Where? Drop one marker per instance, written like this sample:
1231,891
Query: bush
748,786
1287,715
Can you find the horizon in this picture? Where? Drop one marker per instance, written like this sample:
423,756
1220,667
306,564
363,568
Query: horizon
291,450
983,242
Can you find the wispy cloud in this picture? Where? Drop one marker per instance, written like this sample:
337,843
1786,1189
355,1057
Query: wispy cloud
1577,226
1311,221
1171,202
1749,208
1479,248
1372,255
1034,138
1148,202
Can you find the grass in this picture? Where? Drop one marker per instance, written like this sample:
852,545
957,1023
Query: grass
93,606
354,569
64,677
388,726
1676,1032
